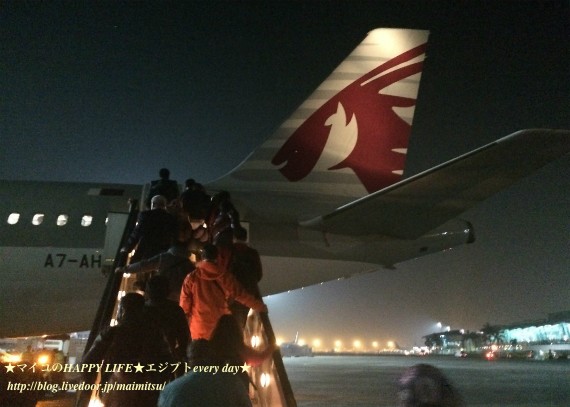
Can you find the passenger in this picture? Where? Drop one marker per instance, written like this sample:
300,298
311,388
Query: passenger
205,292
134,340
164,186
221,213
228,346
167,315
174,264
184,231
243,261
154,233
194,200
204,389
424,385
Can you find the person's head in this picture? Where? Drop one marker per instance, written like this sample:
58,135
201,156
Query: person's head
157,288
200,353
131,306
164,173
425,385
227,338
220,197
209,252
158,202
189,183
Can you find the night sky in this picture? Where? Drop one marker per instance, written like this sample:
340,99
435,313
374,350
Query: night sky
112,91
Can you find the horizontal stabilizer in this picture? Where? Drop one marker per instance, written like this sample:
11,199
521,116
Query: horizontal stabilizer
417,205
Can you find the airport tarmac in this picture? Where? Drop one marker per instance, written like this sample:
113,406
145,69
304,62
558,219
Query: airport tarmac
351,381
369,381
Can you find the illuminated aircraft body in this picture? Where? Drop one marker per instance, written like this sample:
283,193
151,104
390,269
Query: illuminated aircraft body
323,198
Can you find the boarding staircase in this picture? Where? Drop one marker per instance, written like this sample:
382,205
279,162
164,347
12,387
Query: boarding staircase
269,384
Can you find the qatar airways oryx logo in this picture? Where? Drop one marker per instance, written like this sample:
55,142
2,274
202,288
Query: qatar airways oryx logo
373,137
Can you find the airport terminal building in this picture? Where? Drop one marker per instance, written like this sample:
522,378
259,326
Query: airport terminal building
540,338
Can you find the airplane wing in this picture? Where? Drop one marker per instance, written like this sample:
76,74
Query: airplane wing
417,205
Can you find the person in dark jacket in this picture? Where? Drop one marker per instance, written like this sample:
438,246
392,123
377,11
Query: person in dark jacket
164,186
237,257
154,232
168,316
194,200
174,264
135,340
201,389
205,389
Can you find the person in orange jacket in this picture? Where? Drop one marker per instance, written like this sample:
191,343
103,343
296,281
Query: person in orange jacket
205,293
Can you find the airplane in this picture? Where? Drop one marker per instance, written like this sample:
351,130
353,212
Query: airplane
323,198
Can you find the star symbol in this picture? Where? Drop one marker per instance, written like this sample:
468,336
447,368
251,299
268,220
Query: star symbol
139,368
245,368
10,368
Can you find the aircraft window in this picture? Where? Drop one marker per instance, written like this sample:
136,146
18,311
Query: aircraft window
86,220
38,219
13,218
62,220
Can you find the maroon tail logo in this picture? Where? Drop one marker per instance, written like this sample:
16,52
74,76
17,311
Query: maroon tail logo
380,129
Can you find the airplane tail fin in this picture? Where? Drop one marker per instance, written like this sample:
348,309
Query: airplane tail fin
350,137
